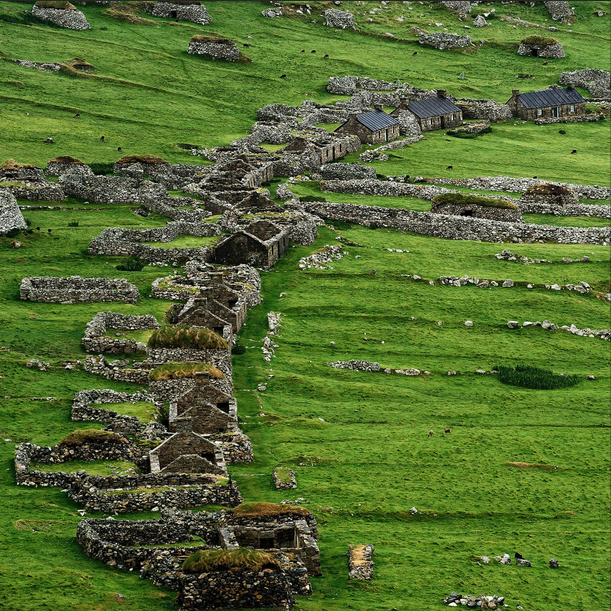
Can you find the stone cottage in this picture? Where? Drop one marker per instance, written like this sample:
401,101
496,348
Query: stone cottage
433,113
373,127
547,104
551,195
260,244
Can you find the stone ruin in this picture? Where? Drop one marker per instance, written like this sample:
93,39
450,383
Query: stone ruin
66,17
187,11
559,10
463,8
339,19
10,214
75,289
360,562
505,211
96,337
26,181
597,82
541,47
216,48
443,40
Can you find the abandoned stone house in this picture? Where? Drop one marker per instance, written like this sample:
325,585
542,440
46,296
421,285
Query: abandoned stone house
324,147
547,104
187,452
432,113
372,127
260,244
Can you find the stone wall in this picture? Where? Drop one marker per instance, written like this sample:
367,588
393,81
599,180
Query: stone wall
346,171
487,110
10,214
509,215
443,40
38,192
189,12
59,168
597,82
65,18
118,371
111,189
77,290
102,322
457,227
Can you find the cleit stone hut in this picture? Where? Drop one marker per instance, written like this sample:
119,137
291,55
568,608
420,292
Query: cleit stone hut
373,127
541,46
433,113
547,104
182,9
549,194
462,204
187,452
216,48
260,244
67,165
63,14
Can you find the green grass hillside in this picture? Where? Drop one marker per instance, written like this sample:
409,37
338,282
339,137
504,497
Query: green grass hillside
523,470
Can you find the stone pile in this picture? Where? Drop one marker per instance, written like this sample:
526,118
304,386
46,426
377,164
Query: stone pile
507,255
355,365
468,600
339,19
559,10
443,40
605,334
322,258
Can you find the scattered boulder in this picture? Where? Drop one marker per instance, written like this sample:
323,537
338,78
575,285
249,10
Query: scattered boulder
553,563
480,22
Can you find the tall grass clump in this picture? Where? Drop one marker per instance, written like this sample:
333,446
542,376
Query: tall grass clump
217,560
478,200
175,371
534,377
196,338
85,436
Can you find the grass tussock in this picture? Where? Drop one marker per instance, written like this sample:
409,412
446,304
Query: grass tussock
242,559
213,39
528,465
91,436
196,338
11,164
67,159
539,40
128,13
284,475
150,159
66,6
176,371
461,199
534,377
267,510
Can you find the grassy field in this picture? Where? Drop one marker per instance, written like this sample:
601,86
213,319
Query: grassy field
357,441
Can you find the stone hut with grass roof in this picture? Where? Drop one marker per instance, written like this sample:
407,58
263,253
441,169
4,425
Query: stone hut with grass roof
188,10
139,166
62,14
475,206
216,48
547,104
551,195
67,165
13,171
541,46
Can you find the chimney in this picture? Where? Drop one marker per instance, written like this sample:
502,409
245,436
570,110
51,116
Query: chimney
515,92
379,108
441,93
570,87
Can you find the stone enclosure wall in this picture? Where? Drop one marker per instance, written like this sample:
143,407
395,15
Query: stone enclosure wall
77,290
102,322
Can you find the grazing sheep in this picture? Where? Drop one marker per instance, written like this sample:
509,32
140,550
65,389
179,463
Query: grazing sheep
431,433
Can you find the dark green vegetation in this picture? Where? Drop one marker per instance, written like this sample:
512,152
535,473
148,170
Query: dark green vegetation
357,441
535,377
179,336
88,436
205,561
467,198
539,40
174,371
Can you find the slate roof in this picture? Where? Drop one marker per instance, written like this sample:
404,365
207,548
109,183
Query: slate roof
432,107
376,120
550,97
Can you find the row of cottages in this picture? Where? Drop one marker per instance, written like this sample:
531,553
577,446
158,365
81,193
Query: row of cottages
432,113
547,104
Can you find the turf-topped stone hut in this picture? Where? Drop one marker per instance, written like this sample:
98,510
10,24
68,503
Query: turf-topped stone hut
216,48
10,214
67,165
78,64
547,104
541,46
551,195
187,10
459,204
432,113
373,127
139,166
63,14
13,171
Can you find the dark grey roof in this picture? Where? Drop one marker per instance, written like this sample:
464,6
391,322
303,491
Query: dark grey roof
432,107
376,119
550,97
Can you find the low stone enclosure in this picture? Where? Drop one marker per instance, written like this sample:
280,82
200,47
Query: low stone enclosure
77,290
66,17
96,337
216,48
284,535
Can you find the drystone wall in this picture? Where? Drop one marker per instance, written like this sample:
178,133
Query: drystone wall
77,290
597,82
486,110
95,339
59,168
443,40
116,370
71,18
38,192
111,189
10,214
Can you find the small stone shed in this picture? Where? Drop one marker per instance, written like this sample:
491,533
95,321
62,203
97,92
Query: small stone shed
433,113
186,9
541,46
458,204
260,244
216,48
67,165
547,104
373,127
63,14
552,195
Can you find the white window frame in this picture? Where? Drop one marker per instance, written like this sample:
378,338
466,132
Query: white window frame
572,107
539,112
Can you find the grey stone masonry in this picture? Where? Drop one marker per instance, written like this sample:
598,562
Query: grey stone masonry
70,18
346,171
339,19
111,189
217,48
194,12
559,10
597,82
75,289
10,214
552,51
442,40
488,110
464,8
58,167
94,339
